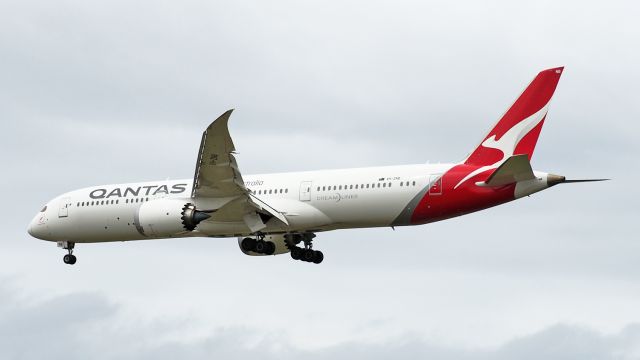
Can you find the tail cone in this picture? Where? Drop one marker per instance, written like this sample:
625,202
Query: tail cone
555,179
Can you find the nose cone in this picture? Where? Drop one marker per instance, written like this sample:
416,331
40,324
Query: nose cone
38,227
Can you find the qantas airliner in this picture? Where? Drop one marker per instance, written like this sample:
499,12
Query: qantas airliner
279,213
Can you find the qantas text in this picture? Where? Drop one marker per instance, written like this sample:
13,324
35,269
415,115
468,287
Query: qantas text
139,191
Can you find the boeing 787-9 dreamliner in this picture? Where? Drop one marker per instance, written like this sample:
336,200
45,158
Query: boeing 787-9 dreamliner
273,214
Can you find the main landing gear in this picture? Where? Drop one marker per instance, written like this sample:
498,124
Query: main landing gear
68,258
307,253
258,245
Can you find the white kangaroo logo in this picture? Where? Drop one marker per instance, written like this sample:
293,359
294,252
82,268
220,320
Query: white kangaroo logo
508,142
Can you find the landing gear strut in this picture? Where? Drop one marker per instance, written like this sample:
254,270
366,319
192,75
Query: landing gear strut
258,245
307,253
68,258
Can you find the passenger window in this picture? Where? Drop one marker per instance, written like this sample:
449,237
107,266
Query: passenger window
286,191
350,187
367,186
281,190
414,183
389,184
340,187
383,185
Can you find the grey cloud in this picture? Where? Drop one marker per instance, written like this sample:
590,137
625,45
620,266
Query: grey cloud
81,325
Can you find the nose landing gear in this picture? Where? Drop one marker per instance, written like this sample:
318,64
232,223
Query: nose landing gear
68,258
307,253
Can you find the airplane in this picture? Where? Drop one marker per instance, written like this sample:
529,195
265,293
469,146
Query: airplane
272,214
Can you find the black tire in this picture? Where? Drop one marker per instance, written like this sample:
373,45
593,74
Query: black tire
73,259
271,248
318,256
248,244
261,246
307,255
67,259
296,253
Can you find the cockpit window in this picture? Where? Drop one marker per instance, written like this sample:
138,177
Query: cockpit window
44,209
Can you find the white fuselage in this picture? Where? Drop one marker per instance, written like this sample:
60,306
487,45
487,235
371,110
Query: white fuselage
311,201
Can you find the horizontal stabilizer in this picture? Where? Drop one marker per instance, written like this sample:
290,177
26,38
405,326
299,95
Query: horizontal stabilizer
514,169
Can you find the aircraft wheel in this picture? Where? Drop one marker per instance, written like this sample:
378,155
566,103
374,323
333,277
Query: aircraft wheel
270,248
248,244
69,259
296,253
318,256
261,246
308,255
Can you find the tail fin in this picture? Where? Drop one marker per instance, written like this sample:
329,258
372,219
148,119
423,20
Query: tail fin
516,133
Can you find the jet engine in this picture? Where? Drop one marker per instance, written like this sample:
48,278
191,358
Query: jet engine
270,245
168,217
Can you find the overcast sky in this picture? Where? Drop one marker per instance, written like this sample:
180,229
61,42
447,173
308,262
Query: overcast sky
120,91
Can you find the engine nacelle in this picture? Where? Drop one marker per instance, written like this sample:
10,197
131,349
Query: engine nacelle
277,240
167,217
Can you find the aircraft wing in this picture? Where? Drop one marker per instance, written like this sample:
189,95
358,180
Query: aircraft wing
217,176
217,173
